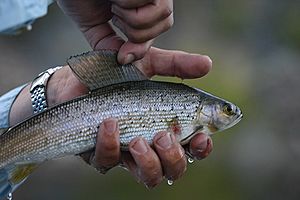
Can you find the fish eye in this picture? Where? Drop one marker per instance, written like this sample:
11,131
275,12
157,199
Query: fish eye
228,109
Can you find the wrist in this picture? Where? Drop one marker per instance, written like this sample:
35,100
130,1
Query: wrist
61,86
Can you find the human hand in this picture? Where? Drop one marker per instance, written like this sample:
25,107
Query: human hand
166,158
147,165
141,21
92,17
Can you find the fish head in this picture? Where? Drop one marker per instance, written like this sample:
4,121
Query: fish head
216,114
213,114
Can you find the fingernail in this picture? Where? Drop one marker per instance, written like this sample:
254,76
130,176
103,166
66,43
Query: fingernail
203,145
209,146
140,146
150,187
209,59
129,59
165,141
110,126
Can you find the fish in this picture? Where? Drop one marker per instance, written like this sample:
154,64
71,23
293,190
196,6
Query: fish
142,106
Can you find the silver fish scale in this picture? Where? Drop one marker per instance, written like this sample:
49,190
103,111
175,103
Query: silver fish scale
142,108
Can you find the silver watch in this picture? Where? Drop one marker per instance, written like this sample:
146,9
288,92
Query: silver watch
38,90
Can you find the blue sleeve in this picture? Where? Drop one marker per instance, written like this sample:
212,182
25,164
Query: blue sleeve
19,14
6,101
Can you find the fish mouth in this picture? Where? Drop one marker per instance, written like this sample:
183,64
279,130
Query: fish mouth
238,119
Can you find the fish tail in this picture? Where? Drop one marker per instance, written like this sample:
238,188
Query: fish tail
13,176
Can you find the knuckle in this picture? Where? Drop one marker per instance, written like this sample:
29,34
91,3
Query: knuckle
150,163
137,37
112,147
175,156
109,145
132,3
137,22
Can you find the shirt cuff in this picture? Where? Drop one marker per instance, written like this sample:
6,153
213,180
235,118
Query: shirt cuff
6,102
16,15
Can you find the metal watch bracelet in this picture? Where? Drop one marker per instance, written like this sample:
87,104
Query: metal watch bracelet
38,90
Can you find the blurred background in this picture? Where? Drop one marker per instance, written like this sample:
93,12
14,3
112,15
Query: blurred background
255,48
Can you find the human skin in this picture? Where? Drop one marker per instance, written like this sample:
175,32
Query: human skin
148,165
141,21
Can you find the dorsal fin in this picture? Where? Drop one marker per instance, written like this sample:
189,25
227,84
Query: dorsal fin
97,69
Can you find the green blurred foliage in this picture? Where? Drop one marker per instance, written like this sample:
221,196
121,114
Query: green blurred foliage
290,29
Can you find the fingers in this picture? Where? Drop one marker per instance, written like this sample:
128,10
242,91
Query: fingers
200,146
146,16
143,35
92,18
130,52
138,44
149,166
142,161
107,152
174,63
102,36
141,22
171,154
128,4
146,166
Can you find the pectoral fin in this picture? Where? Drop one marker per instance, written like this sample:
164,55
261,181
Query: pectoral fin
98,69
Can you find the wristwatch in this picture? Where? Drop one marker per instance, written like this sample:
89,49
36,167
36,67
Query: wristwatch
38,90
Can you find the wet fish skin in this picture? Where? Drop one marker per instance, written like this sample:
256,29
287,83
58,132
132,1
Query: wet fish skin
142,108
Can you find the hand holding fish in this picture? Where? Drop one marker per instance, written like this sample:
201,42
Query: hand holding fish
143,108
167,157
145,126
141,22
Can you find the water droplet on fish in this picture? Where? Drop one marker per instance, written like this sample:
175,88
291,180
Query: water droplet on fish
170,182
190,160
9,196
